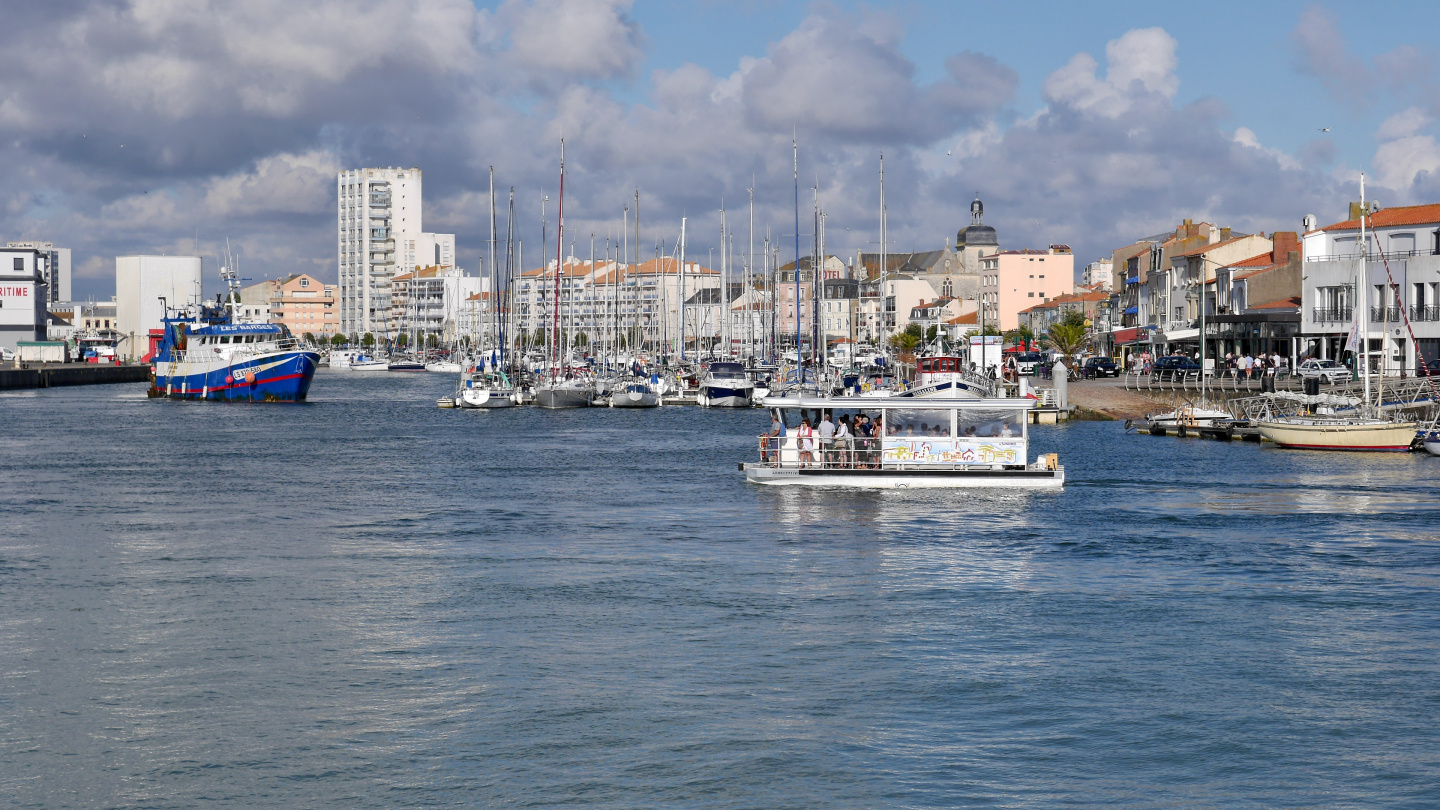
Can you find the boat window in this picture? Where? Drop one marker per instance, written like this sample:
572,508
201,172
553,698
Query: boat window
988,423
224,338
917,422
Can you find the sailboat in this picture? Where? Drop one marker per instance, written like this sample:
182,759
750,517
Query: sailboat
562,389
1334,432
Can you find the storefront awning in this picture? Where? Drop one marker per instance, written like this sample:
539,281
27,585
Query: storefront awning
1182,334
1128,335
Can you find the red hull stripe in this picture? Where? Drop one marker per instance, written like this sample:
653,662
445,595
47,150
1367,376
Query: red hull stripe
1396,448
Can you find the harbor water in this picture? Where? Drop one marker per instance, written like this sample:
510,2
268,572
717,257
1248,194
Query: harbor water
368,601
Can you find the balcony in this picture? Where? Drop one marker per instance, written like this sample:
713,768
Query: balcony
1382,314
1425,313
1332,314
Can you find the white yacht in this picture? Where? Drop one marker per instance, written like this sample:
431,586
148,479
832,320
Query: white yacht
725,385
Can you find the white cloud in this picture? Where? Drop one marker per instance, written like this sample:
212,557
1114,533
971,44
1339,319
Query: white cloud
1141,62
575,38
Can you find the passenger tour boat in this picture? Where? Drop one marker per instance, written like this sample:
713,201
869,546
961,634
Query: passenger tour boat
937,442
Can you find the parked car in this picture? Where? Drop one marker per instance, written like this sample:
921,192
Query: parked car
1430,368
1173,367
1100,367
6,355
1028,362
1327,370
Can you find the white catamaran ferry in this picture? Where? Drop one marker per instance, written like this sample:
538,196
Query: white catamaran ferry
933,442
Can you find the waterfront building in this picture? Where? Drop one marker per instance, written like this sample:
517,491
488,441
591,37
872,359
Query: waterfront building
1041,317
1255,305
932,314
643,301
305,305
1099,274
1012,280
750,322
254,303
56,272
1173,293
1409,238
380,235
1135,319
144,287
839,309
23,314
432,301
710,308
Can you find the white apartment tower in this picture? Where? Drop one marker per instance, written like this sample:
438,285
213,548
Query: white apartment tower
379,209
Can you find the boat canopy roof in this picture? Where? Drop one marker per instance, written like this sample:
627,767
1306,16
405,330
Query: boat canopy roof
236,329
908,403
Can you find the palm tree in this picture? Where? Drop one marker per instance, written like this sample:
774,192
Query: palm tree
1067,338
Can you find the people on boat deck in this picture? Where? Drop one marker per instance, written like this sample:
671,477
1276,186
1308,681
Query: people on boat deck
843,441
806,437
772,439
826,433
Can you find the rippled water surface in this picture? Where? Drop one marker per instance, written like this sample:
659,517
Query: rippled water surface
367,601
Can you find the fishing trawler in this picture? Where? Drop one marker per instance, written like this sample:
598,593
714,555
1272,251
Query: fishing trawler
936,442
205,353
204,356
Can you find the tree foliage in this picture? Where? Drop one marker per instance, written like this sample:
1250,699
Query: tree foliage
1067,338
338,339
368,340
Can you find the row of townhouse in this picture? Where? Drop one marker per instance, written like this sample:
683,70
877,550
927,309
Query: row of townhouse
619,304
1288,294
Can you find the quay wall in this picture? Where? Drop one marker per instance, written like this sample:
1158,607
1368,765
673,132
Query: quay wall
75,374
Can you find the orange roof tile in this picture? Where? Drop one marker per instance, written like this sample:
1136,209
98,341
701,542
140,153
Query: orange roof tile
1428,214
973,317
1292,302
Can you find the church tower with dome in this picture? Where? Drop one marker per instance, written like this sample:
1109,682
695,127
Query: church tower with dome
975,240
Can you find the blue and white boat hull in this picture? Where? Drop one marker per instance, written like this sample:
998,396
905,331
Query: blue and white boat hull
283,376
721,396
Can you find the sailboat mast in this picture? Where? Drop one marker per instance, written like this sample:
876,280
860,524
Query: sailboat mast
682,288
504,315
750,266
494,265
795,148
559,248
1362,295
724,284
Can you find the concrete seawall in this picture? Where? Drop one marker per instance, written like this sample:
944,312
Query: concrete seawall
72,374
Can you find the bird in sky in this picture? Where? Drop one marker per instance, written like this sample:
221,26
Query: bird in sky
1325,129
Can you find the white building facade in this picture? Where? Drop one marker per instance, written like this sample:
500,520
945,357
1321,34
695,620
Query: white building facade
1335,262
22,296
379,210
57,269
144,287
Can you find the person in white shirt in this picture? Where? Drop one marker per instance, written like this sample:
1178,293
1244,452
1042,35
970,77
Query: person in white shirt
843,441
826,433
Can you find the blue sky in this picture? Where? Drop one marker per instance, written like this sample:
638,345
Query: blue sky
1089,124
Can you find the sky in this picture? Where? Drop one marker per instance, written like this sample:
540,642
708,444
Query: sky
176,126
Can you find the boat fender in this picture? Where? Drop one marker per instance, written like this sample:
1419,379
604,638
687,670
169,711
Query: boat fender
249,378
1127,424
1180,431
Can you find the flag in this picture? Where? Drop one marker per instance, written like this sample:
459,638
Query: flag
1353,344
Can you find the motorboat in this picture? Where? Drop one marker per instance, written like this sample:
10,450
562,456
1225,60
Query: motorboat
1431,442
725,385
1190,416
405,364
947,376
1324,432
634,394
445,366
363,362
935,442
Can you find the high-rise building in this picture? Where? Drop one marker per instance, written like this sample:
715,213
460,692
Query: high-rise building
376,207
57,269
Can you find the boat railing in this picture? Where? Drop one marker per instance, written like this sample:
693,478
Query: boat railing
852,453
241,350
